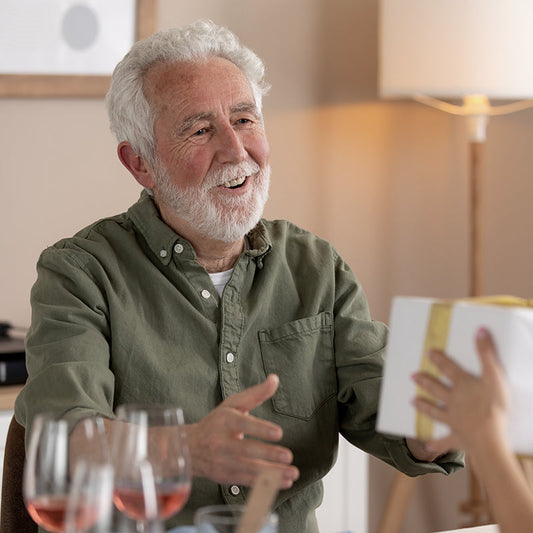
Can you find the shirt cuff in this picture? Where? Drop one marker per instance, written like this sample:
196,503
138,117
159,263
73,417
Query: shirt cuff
403,460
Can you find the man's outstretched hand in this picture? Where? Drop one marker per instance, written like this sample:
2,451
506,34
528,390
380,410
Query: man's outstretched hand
224,445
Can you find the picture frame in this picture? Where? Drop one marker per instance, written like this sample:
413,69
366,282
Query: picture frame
74,85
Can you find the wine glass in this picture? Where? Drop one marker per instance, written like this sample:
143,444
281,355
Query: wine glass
90,500
50,463
227,519
150,453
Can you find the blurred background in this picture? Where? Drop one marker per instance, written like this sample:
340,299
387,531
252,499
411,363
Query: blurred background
384,181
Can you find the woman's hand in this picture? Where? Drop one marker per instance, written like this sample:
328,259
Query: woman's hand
474,407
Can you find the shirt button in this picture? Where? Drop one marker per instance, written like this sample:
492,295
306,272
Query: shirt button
230,357
178,248
205,294
235,490
163,253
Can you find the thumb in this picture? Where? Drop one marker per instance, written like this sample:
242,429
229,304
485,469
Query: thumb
442,445
250,398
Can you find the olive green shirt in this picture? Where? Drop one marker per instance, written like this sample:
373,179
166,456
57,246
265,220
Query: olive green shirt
123,312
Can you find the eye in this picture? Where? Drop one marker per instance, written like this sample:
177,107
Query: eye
200,135
244,122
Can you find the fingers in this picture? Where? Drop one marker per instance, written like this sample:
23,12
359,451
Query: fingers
436,447
431,449
252,449
244,472
247,400
451,370
486,349
420,451
436,411
447,366
433,386
443,445
222,456
242,424
250,398
252,456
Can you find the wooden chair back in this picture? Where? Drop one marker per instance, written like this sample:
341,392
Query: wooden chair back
14,517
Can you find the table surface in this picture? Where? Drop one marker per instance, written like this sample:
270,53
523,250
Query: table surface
8,393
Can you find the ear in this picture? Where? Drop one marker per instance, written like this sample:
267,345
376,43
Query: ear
136,164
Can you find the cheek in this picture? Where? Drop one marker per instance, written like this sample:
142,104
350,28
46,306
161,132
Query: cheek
190,168
259,149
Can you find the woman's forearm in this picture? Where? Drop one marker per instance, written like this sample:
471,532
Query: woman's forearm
510,498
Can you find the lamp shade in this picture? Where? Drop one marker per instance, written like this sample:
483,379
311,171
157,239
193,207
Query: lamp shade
453,48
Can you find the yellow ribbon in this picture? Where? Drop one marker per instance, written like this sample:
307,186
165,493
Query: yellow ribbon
437,337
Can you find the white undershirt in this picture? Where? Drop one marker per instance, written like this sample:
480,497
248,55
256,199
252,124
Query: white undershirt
220,279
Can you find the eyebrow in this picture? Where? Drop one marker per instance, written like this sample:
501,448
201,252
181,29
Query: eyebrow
244,107
190,121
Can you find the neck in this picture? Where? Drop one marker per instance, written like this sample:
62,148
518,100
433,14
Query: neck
213,255
216,256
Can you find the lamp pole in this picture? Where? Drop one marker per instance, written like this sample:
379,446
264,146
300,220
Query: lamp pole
475,108
476,149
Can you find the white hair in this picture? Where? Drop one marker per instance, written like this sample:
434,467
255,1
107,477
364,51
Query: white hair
131,117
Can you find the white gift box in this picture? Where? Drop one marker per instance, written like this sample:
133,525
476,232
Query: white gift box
410,324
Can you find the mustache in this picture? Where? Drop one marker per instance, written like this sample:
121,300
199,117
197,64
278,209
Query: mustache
224,174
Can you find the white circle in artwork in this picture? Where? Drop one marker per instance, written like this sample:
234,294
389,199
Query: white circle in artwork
80,27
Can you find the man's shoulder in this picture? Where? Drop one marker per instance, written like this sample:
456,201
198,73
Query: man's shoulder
99,241
295,244
99,230
284,230
104,229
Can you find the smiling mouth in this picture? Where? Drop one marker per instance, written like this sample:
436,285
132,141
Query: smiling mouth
235,184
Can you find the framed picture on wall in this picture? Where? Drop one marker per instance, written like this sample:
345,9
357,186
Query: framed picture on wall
62,48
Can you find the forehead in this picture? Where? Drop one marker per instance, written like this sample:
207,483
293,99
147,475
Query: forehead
191,87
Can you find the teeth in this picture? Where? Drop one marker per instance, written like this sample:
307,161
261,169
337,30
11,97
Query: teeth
235,182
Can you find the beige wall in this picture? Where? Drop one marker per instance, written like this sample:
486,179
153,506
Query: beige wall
384,181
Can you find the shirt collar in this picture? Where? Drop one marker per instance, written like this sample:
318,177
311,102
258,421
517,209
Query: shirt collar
260,244
160,237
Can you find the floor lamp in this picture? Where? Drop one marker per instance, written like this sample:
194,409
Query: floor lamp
457,56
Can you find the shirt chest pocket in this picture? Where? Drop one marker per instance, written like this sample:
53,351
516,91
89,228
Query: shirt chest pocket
301,354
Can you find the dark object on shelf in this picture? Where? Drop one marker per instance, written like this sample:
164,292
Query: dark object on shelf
4,330
12,358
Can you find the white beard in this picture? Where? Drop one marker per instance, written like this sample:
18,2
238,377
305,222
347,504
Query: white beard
217,217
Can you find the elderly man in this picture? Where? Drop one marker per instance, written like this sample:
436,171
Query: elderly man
257,329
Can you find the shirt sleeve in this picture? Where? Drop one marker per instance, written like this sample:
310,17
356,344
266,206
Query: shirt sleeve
67,346
359,353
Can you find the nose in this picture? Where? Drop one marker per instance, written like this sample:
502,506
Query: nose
230,147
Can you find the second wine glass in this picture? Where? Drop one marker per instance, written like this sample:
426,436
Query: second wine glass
150,439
